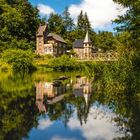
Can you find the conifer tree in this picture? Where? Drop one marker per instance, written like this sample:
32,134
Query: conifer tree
83,25
80,21
67,20
87,22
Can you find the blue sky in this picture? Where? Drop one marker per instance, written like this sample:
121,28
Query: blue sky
101,13
58,5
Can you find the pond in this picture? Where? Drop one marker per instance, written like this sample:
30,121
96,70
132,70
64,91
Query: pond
64,106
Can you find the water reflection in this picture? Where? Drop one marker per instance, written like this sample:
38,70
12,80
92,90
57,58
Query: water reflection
87,120
48,93
57,107
82,87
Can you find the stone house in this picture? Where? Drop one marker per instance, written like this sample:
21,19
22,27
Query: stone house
83,47
49,43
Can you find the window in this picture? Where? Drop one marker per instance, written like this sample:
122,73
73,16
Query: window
50,49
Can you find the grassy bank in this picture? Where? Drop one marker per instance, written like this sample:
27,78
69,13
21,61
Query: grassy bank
26,62
64,63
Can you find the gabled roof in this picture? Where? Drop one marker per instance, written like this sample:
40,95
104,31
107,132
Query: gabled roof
87,38
41,30
56,37
78,43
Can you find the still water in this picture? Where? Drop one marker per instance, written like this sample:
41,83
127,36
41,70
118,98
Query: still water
64,106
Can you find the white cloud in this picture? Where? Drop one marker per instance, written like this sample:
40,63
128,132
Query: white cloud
62,138
45,9
98,126
43,124
100,12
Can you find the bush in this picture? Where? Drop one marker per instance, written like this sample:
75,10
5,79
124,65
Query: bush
48,56
63,63
4,67
20,60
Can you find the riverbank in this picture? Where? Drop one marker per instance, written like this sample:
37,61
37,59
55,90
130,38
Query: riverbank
27,62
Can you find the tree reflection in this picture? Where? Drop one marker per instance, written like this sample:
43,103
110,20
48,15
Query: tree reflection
111,91
17,120
20,107
63,108
17,112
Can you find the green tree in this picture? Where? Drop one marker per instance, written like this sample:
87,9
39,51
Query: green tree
87,22
106,41
130,21
18,21
56,24
69,27
68,22
83,24
80,21
20,60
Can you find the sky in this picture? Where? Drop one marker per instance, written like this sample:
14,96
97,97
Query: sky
101,13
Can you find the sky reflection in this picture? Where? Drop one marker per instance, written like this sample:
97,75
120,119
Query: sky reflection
99,126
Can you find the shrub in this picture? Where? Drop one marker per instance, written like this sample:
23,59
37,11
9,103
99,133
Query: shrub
4,67
19,59
63,63
48,56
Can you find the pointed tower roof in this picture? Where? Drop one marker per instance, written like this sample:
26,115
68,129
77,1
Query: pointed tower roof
87,38
86,98
41,30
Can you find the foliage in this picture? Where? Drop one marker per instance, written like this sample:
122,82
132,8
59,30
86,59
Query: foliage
55,23
20,60
63,63
130,21
67,20
87,67
106,41
18,24
83,22
4,67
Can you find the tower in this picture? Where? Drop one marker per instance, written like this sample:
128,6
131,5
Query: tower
87,46
41,37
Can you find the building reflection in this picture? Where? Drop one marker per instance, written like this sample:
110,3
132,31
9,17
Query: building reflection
82,87
48,93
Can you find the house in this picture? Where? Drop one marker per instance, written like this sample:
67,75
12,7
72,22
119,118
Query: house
83,47
49,43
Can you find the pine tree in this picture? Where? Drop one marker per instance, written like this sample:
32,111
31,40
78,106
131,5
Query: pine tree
67,20
80,21
83,25
87,22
